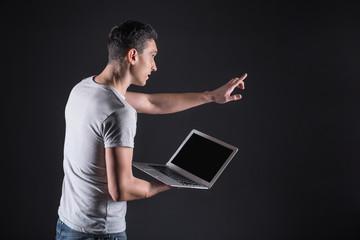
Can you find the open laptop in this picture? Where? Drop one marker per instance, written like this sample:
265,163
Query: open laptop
197,163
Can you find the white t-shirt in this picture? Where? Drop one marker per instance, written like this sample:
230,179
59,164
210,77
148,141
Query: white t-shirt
97,117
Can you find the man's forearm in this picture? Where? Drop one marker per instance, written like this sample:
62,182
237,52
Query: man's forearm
139,189
165,103
176,102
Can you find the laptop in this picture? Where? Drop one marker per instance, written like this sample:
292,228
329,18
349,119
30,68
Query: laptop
197,163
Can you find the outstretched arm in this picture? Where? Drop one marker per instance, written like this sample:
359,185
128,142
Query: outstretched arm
165,103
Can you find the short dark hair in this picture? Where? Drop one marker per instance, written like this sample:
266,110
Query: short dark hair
129,34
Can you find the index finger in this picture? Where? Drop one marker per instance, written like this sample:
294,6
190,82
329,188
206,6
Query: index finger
238,80
243,77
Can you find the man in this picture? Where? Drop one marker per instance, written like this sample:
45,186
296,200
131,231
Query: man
100,128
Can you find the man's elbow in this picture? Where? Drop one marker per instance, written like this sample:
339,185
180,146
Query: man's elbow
119,195
125,194
116,197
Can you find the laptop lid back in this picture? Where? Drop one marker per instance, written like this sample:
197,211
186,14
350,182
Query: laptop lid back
202,158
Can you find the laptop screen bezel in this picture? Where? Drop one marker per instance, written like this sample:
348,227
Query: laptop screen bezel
192,176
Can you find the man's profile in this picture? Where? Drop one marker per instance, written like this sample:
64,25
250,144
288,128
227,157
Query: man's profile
101,120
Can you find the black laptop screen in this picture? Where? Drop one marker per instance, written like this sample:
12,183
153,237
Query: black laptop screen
202,157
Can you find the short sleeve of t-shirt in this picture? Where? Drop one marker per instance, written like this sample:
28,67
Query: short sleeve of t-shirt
119,128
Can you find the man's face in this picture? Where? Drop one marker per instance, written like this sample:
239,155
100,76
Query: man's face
145,64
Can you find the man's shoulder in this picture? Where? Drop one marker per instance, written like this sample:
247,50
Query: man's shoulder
94,99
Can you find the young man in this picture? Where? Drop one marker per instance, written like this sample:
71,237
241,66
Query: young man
100,128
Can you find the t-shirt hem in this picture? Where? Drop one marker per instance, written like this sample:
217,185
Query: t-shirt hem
91,231
119,144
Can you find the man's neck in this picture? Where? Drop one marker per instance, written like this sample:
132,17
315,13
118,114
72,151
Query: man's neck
116,76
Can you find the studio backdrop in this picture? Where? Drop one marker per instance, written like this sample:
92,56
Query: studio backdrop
296,174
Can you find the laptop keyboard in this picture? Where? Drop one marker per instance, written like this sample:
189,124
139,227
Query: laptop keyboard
174,175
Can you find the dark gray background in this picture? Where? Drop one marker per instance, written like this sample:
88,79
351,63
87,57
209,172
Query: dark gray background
297,172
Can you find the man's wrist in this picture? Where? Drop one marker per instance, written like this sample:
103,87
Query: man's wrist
208,97
158,187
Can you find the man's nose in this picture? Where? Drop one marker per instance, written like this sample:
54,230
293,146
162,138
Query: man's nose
154,68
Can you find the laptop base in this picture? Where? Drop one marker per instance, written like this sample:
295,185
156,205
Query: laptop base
153,171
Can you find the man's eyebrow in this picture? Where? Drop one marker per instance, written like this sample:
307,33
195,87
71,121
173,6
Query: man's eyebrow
154,51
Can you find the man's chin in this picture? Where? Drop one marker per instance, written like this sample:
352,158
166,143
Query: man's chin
140,84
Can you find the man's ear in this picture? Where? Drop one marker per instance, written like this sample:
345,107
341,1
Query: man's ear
132,56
